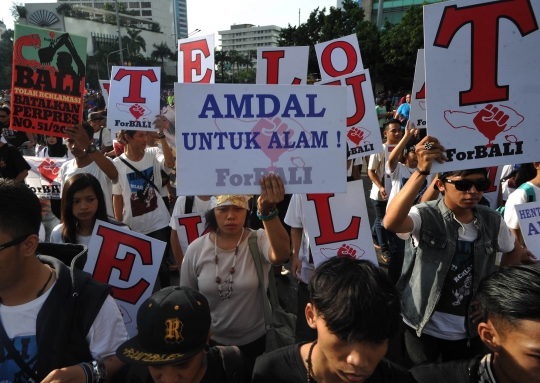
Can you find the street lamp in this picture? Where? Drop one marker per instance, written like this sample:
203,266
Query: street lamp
121,58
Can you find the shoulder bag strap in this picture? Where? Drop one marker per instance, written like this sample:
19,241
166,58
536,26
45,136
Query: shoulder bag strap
8,345
139,173
101,146
531,194
254,250
189,204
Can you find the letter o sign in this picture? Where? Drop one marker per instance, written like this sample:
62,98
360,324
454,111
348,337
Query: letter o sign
326,58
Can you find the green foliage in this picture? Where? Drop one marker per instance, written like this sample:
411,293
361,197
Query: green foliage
17,11
134,41
65,9
161,52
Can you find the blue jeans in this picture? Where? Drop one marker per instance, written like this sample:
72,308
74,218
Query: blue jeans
397,254
378,228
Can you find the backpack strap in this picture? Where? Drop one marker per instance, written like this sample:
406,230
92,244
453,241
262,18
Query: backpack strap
188,208
531,194
233,363
101,146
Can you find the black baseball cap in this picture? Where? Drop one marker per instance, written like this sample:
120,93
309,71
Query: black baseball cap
173,326
95,116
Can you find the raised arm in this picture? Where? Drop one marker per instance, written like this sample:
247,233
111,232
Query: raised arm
393,158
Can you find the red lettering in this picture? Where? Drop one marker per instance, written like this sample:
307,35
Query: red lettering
107,261
484,20
421,94
356,83
135,80
326,223
190,223
190,64
272,65
107,87
326,58
492,176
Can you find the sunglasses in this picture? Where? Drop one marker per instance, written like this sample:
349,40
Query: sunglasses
464,185
14,242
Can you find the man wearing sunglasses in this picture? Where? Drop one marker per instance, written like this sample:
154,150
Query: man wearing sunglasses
452,245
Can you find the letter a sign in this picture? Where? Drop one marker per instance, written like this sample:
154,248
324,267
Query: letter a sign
196,60
483,81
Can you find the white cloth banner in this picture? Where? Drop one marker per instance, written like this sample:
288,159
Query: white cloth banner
44,177
129,262
283,65
133,98
339,57
529,223
196,60
483,81
105,85
338,225
363,132
189,228
418,94
229,136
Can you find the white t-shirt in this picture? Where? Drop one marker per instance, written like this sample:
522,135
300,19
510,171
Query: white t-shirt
376,163
446,322
506,189
519,196
144,209
105,336
70,168
56,236
400,176
240,320
158,151
199,206
105,136
295,218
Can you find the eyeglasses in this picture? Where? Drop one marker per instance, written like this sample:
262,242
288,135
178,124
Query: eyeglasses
14,242
3,115
481,185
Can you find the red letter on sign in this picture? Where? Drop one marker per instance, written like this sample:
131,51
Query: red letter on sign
187,49
484,20
356,84
326,58
190,223
492,175
107,261
326,224
272,67
135,82
107,87
421,94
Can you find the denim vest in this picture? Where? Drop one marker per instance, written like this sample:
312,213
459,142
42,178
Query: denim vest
425,267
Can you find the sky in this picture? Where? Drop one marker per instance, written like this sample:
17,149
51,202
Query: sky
211,16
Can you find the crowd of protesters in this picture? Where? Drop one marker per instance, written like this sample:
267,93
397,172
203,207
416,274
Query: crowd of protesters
458,298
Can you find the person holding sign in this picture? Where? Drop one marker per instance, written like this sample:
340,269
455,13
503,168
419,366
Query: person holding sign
452,245
220,266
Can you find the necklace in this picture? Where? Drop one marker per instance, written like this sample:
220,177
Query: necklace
308,361
40,292
225,296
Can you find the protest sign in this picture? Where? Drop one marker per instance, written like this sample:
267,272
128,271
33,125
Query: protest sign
229,136
283,65
339,57
189,228
44,176
482,81
133,98
338,225
196,60
363,132
128,262
47,80
492,194
529,223
105,85
418,94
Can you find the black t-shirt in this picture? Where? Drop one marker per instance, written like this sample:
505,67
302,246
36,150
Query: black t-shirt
14,137
11,162
286,366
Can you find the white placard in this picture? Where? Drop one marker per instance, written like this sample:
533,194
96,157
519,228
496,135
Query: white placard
387,177
196,60
529,223
134,98
483,81
189,227
363,132
128,262
283,65
338,225
228,136
418,94
339,57
44,176
492,194
105,85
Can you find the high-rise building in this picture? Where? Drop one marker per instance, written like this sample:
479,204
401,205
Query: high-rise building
180,11
393,10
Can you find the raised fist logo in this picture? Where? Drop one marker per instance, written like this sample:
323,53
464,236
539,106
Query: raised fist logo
344,251
355,135
49,170
136,110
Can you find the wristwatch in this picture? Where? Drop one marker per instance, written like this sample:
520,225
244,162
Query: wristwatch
99,371
91,148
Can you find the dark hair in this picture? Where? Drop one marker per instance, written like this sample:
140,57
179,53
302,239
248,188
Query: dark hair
89,130
75,183
526,172
512,294
391,121
130,133
357,300
20,211
5,109
463,173
211,221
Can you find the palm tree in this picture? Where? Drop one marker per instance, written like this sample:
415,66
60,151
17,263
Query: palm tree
133,41
161,51
221,58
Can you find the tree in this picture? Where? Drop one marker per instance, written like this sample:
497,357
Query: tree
6,58
65,9
133,41
18,10
161,51
221,58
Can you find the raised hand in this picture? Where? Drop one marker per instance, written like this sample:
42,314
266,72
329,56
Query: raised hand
410,130
427,156
272,192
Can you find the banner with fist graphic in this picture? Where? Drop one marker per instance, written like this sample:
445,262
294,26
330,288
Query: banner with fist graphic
128,262
229,136
44,177
338,225
133,98
363,132
483,81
